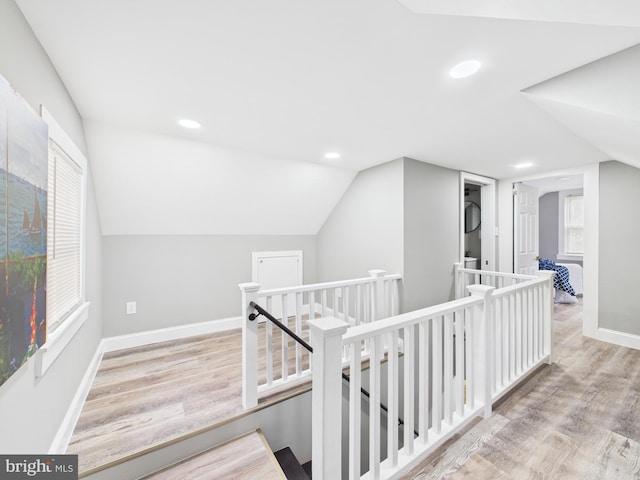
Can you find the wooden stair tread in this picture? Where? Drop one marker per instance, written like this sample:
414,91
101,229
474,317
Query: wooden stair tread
246,457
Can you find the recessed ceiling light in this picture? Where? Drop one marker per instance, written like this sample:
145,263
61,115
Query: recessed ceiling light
332,155
465,69
523,165
187,123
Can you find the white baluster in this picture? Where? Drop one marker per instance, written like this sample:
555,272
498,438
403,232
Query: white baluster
298,332
460,346
392,399
448,368
409,393
285,340
436,422
269,342
355,413
374,408
423,379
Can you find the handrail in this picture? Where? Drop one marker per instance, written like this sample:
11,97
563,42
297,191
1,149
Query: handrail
387,325
326,285
292,334
491,273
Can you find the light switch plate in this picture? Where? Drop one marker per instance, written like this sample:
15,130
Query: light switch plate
131,308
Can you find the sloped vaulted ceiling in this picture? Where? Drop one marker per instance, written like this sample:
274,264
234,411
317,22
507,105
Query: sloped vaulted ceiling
278,84
599,102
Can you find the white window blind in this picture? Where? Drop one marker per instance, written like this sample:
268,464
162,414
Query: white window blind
574,224
64,222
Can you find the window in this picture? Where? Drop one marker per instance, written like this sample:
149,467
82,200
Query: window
64,220
66,306
574,225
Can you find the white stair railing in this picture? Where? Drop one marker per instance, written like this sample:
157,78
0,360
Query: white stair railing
464,277
274,362
458,370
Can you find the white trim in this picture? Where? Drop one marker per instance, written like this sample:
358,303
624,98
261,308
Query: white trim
139,339
569,257
65,431
59,339
590,265
591,191
623,339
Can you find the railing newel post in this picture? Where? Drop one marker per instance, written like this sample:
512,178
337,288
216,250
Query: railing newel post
457,280
249,346
483,347
379,302
326,396
548,311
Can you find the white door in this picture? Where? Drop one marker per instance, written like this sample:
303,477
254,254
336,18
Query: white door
276,270
525,229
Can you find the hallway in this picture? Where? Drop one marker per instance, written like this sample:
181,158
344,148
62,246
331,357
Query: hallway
574,419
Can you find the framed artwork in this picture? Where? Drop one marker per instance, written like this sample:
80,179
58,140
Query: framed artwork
23,230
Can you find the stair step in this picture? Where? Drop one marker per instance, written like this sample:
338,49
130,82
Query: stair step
307,468
246,457
290,465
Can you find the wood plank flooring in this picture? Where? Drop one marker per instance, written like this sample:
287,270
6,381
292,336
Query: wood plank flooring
575,419
246,458
145,396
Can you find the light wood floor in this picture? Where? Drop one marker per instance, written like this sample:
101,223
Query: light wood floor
145,396
246,458
578,418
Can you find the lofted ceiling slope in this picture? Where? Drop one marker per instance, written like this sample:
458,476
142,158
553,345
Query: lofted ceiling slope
599,102
278,84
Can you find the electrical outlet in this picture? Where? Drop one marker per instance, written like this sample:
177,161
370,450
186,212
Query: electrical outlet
131,308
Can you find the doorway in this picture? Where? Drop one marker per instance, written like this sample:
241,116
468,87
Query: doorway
559,226
477,222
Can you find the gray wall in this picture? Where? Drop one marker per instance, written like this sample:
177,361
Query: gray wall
619,233
364,231
31,410
431,233
549,225
401,216
182,279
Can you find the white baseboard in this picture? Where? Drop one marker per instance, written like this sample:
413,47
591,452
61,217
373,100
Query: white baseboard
61,440
139,339
618,338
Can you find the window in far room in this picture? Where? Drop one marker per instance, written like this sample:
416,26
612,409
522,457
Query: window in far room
573,225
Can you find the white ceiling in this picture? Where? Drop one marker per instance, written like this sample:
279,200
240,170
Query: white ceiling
557,183
277,84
